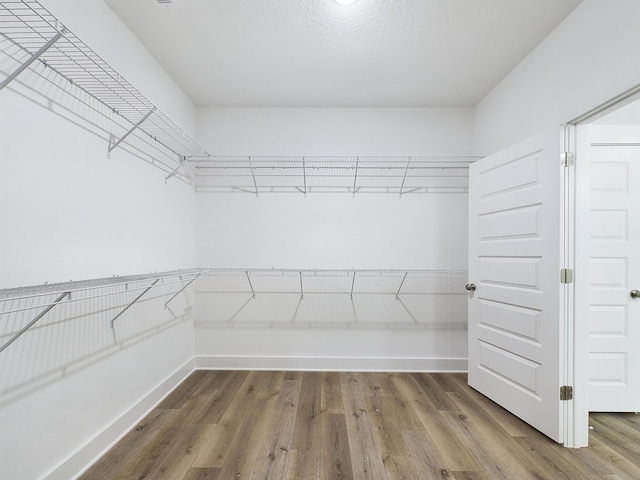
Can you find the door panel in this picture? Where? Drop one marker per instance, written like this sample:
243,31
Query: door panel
514,260
613,156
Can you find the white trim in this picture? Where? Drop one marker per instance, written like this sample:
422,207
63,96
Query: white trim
581,289
88,454
362,364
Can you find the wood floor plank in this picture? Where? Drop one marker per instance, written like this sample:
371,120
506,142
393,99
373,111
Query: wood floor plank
437,395
218,400
395,456
630,419
456,456
275,456
250,437
136,462
617,435
202,474
197,382
362,426
365,457
540,449
331,393
179,454
426,456
218,445
307,438
496,457
619,464
335,458
510,423
485,425
470,476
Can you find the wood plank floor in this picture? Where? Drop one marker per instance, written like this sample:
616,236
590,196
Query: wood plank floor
229,425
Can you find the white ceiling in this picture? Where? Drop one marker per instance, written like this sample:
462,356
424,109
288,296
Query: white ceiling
315,53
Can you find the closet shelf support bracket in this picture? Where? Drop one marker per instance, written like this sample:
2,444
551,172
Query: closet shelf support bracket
406,170
33,322
134,301
355,180
182,289
131,130
301,289
253,174
32,59
253,292
401,284
353,282
183,159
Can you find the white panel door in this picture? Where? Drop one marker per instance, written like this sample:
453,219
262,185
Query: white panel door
613,315
515,242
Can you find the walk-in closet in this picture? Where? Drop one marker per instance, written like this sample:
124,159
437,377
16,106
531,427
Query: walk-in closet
201,199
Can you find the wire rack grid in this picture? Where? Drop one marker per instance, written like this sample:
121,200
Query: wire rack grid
28,30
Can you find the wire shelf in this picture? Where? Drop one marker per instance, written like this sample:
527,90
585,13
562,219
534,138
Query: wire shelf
396,299
350,174
63,67
28,30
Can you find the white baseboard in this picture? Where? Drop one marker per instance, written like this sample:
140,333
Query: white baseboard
350,364
80,461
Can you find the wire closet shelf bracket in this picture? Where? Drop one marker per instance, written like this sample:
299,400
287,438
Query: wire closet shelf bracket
74,75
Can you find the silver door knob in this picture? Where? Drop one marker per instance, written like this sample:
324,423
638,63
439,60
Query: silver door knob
472,287
634,293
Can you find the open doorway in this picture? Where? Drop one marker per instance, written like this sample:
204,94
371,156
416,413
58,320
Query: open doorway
607,263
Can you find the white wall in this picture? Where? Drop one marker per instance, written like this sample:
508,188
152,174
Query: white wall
68,212
420,231
340,231
336,131
590,58
425,231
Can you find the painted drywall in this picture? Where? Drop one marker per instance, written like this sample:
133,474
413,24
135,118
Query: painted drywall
588,59
70,213
426,231
332,231
336,131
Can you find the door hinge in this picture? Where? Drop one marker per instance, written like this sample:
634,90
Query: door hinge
567,159
566,275
566,392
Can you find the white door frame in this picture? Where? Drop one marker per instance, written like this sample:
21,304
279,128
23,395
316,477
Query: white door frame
577,337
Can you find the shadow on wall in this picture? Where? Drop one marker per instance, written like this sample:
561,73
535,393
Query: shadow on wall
84,326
